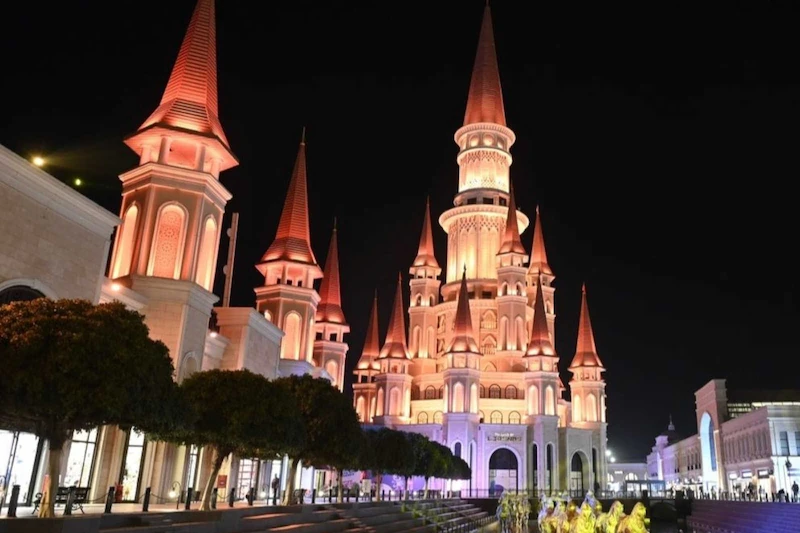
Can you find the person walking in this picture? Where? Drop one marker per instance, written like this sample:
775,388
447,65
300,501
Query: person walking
276,484
795,488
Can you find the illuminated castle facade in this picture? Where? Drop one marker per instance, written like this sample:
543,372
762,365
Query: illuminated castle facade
478,370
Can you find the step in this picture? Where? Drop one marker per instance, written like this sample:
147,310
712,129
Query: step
400,525
179,527
329,526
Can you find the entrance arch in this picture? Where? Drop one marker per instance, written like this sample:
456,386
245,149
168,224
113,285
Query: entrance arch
579,474
503,471
708,451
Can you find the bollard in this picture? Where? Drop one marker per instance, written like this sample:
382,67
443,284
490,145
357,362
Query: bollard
110,499
214,496
231,497
189,493
70,499
383,495
12,505
330,495
313,496
146,500
251,495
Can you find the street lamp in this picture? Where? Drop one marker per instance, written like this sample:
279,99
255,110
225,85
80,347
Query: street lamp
176,493
608,452
38,161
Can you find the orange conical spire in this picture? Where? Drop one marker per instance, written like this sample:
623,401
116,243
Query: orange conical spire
538,254
395,345
463,339
585,351
372,345
511,240
330,303
425,254
190,99
539,343
485,101
292,240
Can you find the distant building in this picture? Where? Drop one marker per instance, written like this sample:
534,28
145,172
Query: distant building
743,436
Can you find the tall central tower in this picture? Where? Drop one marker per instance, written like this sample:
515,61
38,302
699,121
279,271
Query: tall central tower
476,224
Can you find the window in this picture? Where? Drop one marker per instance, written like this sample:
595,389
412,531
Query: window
488,201
496,418
247,476
784,438
166,255
437,417
514,418
503,201
192,467
125,243
130,476
511,392
422,418
81,457
494,391
430,392
457,449
797,442
206,258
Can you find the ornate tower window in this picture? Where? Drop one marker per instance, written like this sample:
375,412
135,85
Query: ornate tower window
165,256
125,244
206,257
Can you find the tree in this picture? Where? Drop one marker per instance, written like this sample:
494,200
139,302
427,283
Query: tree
432,461
417,443
330,423
236,411
391,454
69,365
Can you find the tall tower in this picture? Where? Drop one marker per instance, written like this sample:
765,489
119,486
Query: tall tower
540,269
424,285
173,202
288,298
476,223
364,388
462,375
512,301
543,391
393,380
330,350
588,388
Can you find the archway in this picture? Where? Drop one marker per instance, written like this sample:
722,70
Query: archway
579,474
503,468
19,293
709,451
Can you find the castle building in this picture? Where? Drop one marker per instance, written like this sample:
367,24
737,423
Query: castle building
743,437
478,370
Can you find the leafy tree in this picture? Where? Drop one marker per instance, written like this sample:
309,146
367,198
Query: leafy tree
417,443
391,454
236,411
459,469
330,423
432,461
70,365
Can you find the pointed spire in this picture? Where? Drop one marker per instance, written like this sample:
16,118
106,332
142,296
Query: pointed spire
372,344
540,343
485,100
395,344
463,338
538,254
671,426
330,303
585,351
425,254
511,240
190,99
292,240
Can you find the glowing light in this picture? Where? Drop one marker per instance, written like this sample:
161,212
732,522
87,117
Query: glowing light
38,161
213,334
115,287
263,494
78,182
173,494
613,459
608,453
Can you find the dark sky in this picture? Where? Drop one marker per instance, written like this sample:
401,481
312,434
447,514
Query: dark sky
660,141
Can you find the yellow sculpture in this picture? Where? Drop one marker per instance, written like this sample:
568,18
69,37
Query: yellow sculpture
598,509
566,518
636,521
608,522
545,517
583,521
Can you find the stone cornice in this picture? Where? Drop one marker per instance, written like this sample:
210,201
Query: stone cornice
41,187
177,290
165,175
247,316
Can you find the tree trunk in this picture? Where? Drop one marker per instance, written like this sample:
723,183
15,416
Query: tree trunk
287,500
426,488
340,486
47,507
378,482
405,486
219,458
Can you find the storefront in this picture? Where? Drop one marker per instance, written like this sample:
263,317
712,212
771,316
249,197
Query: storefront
130,476
20,457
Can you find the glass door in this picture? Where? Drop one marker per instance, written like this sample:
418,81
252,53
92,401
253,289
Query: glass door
131,474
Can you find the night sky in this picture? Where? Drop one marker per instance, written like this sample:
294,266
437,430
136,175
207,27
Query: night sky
659,140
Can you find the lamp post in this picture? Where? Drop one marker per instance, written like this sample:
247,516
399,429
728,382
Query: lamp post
176,493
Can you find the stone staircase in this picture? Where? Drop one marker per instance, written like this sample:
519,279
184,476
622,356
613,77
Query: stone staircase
716,516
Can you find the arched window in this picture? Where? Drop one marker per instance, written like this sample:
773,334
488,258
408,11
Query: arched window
167,251
416,335
430,301
496,418
481,416
206,257
520,338
520,289
332,368
483,391
419,300
290,347
379,406
511,392
394,401
489,346
457,449
591,408
549,401
360,409
446,398
458,398
422,418
188,366
430,392
577,408
126,243
533,400
473,398
489,367
494,391
514,418
437,417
